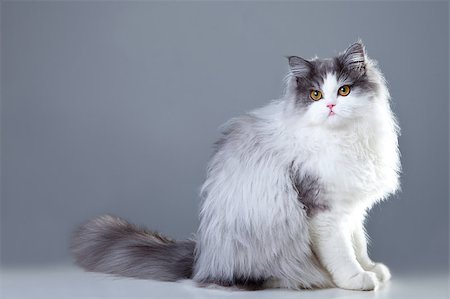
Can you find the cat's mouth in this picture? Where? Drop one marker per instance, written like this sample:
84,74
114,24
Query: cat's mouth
331,113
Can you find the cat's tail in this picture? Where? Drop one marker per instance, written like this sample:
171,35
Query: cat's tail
112,245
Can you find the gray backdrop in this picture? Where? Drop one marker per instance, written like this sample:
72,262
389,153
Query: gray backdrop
113,107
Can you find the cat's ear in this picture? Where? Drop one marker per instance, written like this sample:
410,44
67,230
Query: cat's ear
354,58
299,67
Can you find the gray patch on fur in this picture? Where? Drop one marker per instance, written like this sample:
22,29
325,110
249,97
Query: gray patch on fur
353,59
299,67
111,245
351,67
245,283
309,192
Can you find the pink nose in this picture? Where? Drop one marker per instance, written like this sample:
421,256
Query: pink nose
331,106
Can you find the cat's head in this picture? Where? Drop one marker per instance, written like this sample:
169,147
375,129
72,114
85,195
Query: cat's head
336,91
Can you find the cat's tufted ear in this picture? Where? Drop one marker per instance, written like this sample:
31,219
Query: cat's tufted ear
299,67
354,58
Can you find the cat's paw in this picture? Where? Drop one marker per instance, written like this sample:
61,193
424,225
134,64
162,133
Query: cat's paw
382,272
363,281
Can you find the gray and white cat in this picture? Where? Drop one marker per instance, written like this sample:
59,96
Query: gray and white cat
286,192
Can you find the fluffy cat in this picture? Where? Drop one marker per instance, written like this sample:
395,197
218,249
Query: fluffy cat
286,193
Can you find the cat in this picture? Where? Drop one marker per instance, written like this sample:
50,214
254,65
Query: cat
286,193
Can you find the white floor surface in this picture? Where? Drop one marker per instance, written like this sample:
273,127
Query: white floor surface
61,282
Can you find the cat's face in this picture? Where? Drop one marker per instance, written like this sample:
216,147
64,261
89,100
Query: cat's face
333,92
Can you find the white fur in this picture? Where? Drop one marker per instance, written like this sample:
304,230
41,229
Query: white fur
251,220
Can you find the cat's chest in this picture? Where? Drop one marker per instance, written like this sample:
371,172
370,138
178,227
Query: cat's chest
347,165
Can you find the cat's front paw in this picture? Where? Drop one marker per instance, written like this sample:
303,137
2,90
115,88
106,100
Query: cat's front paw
382,272
363,281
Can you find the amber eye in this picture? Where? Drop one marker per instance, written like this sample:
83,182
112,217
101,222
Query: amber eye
344,90
315,95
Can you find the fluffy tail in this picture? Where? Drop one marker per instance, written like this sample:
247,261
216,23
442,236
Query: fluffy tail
112,245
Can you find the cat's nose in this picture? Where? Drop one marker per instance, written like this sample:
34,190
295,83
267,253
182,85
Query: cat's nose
331,106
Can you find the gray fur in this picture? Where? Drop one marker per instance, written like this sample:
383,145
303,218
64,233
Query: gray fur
300,67
242,282
309,192
111,245
353,59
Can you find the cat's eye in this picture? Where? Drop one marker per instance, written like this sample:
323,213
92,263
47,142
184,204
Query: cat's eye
344,90
315,95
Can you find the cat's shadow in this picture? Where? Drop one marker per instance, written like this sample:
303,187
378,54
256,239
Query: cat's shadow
193,291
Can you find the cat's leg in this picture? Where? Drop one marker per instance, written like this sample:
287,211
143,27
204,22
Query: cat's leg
359,240
332,244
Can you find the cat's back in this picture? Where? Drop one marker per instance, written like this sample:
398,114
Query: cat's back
257,131
249,162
